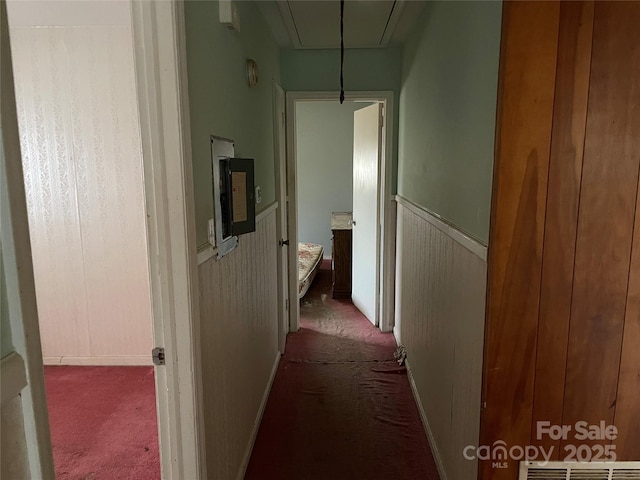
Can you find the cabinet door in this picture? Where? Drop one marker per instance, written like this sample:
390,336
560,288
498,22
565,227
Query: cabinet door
341,255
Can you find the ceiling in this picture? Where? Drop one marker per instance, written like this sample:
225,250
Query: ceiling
309,24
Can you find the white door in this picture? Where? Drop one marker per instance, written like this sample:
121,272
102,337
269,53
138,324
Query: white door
367,148
280,140
172,262
25,446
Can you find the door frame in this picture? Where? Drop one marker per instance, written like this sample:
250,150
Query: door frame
386,258
280,164
161,78
160,71
21,370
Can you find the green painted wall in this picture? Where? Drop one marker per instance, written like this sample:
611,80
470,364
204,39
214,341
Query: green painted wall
221,103
364,70
447,112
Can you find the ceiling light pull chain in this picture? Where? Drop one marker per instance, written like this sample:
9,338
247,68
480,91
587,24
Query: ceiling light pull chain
341,51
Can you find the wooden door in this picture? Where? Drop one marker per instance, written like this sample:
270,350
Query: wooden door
563,319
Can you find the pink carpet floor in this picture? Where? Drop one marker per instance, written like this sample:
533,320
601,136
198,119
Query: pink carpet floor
340,406
103,423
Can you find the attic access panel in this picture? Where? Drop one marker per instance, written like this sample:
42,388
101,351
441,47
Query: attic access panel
315,23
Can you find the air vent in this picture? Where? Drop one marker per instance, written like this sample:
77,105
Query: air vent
626,474
580,471
546,474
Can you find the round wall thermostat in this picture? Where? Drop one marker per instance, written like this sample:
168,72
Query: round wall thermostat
252,72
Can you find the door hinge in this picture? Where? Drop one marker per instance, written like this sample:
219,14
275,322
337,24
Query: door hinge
287,305
158,356
284,119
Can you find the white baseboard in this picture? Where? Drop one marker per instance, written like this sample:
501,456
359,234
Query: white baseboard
256,426
396,335
425,423
115,360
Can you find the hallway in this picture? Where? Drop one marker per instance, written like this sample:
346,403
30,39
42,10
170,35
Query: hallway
340,406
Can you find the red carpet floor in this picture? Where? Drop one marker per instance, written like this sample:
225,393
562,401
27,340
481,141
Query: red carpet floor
340,406
103,423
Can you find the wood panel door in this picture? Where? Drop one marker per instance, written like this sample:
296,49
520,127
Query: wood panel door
563,302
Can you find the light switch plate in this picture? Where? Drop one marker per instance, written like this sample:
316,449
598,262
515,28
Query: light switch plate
212,232
258,194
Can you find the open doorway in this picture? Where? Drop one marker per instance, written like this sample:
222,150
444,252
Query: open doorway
345,175
350,396
82,162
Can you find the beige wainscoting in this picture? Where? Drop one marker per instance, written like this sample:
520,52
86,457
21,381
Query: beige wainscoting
239,335
440,307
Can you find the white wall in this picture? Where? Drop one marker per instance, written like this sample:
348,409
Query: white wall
239,335
79,133
440,300
324,155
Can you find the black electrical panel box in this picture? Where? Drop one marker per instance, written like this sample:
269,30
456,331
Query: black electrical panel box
237,196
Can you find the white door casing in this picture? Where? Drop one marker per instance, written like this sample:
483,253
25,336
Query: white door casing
160,61
367,148
387,208
161,77
279,143
22,374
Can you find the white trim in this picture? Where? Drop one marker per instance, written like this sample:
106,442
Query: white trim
256,425
207,252
13,378
396,335
289,23
425,423
292,211
392,23
266,212
161,78
386,259
102,360
471,244
280,163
